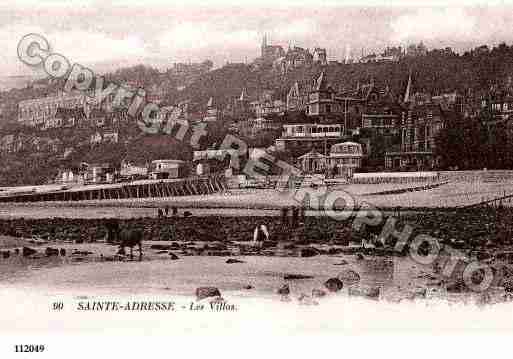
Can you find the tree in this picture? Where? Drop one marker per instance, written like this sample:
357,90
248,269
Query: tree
461,143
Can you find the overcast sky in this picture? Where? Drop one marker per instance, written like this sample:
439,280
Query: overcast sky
100,35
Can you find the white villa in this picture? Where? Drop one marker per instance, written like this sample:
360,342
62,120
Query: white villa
344,158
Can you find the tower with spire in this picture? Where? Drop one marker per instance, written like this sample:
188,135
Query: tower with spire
264,45
407,93
321,100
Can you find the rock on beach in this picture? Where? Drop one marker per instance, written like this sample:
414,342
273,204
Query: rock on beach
206,292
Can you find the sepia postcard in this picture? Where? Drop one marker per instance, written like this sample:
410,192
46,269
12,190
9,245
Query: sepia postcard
233,173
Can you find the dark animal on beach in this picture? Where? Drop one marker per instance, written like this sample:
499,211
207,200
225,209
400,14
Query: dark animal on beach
131,237
51,252
27,252
284,290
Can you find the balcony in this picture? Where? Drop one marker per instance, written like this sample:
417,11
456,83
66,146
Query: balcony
286,134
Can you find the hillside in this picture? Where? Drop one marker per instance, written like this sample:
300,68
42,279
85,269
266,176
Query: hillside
440,71
471,74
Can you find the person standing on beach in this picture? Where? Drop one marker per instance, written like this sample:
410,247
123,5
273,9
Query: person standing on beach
112,229
285,216
260,235
295,216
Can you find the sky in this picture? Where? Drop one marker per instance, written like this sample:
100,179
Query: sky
109,34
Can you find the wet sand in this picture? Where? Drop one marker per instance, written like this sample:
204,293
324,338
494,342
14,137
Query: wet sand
204,244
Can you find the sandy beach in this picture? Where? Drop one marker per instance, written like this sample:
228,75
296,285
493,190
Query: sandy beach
213,248
318,248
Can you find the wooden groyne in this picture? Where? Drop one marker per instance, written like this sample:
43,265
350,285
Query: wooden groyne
182,187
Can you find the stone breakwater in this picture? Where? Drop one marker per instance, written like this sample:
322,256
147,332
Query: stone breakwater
484,228
205,229
334,245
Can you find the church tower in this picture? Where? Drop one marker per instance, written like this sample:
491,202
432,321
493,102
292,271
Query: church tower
407,94
264,46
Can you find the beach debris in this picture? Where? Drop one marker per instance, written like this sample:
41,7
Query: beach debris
343,262
367,292
508,286
305,299
49,252
349,276
248,286
27,251
113,258
309,252
37,240
457,286
419,292
232,261
284,289
173,256
206,292
334,285
81,253
162,247
318,293
428,276
292,276
334,251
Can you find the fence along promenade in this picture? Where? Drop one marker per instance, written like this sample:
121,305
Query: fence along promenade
181,187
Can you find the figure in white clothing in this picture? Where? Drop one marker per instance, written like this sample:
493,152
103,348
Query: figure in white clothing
260,235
